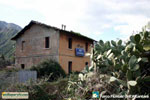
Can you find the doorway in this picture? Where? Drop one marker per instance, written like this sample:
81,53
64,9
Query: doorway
69,67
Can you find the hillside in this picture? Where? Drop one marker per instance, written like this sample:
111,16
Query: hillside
7,31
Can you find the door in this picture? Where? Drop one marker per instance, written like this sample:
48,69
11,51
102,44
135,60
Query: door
69,67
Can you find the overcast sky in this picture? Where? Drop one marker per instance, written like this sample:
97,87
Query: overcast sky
98,19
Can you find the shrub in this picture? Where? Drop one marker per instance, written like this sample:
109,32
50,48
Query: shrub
49,68
42,90
121,69
4,62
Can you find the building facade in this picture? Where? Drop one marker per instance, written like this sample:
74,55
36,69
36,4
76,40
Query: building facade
37,42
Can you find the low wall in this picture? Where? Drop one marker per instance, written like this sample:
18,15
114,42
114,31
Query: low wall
10,78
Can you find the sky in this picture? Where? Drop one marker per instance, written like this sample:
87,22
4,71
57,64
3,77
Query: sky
98,19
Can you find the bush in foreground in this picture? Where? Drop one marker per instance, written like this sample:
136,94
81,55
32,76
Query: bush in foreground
49,68
121,69
42,90
4,62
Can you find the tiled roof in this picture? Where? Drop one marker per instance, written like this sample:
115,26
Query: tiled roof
48,26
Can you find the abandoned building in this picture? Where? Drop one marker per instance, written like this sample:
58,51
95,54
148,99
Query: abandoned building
37,42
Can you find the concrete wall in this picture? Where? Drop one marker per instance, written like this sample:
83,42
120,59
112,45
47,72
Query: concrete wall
34,47
66,54
13,78
25,76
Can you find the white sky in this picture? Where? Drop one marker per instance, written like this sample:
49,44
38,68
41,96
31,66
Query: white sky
98,19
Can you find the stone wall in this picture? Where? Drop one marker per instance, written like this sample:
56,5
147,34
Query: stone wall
34,50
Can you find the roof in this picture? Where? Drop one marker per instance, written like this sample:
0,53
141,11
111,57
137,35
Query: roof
48,26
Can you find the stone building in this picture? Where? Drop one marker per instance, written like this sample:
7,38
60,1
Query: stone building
38,41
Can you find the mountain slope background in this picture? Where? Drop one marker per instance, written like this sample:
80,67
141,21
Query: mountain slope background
7,31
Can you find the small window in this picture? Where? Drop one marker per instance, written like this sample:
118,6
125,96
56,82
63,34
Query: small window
69,67
87,66
86,63
70,43
23,45
22,66
86,47
47,42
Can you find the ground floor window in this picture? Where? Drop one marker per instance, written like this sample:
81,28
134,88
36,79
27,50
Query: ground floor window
22,66
69,66
86,63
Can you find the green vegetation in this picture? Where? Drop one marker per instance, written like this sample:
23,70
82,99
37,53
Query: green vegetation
42,90
51,83
118,69
7,31
5,62
6,78
49,68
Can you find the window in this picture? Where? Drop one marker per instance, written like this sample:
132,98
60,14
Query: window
69,67
23,45
47,42
86,66
86,47
86,63
22,66
70,43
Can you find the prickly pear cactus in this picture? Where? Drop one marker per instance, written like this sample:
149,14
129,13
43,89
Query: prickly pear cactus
117,67
128,64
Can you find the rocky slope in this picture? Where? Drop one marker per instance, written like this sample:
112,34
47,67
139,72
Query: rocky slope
7,31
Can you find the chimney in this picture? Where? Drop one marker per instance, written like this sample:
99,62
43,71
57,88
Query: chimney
63,27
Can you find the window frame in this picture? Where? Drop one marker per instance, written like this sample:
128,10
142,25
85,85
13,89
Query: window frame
86,46
86,63
69,67
22,45
70,42
22,66
47,42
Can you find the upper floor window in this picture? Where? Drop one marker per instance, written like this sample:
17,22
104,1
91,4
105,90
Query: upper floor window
86,47
22,45
47,42
70,43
